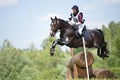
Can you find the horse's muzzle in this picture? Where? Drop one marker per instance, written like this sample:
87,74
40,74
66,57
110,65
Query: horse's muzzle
52,34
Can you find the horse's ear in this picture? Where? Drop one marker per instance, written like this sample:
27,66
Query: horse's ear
51,18
55,18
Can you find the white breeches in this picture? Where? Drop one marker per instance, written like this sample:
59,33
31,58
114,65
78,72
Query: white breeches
80,28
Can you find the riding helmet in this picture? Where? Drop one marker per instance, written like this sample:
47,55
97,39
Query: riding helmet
75,7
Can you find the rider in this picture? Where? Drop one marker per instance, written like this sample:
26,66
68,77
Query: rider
76,20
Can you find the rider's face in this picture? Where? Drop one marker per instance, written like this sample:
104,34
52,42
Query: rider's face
74,11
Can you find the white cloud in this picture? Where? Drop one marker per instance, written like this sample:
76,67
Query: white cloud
8,2
47,16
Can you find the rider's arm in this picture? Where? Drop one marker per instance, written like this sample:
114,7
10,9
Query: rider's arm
71,22
78,23
80,17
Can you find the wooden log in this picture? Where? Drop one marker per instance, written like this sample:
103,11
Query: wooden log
103,73
68,74
79,60
81,73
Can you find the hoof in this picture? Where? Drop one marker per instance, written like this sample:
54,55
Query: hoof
104,56
51,54
100,55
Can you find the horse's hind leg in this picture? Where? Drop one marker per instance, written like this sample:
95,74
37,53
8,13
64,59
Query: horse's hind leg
99,52
98,49
104,50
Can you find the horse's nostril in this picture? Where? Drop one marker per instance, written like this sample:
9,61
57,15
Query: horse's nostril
52,34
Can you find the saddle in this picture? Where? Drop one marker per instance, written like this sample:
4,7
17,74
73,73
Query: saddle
86,33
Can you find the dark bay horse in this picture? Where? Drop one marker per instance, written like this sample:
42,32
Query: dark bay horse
96,37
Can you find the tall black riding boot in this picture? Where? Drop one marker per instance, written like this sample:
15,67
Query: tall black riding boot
77,34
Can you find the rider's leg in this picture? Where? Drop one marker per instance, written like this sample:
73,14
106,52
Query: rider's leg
77,34
80,29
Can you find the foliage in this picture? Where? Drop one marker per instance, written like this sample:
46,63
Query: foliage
112,33
31,64
34,64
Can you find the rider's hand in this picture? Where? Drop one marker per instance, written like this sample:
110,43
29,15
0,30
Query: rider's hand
67,21
78,23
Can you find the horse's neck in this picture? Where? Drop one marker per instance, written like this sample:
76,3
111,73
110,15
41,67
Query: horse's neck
66,32
65,26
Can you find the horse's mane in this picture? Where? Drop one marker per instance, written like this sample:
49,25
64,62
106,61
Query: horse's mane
64,22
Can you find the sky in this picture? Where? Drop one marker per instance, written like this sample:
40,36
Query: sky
25,22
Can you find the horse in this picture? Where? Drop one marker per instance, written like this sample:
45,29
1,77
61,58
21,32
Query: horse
96,37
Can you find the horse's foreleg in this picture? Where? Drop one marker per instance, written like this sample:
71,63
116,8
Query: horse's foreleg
52,49
54,44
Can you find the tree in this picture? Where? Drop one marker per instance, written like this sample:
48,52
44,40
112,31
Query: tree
112,33
6,44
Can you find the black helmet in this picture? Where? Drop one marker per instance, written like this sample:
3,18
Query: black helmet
75,7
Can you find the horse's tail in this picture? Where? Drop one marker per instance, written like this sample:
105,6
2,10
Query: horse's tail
100,30
101,33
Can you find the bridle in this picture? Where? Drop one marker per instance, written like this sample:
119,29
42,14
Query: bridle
55,25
